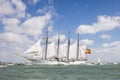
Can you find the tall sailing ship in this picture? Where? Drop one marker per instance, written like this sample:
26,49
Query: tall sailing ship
57,53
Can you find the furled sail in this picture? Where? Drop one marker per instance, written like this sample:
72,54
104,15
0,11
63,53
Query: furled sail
36,49
51,50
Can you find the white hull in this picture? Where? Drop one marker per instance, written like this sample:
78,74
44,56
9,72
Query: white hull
61,63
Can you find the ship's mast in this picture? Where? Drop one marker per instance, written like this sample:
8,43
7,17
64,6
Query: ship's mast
68,47
46,44
58,44
78,47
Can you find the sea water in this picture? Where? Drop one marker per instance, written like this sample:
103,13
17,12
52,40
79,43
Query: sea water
61,72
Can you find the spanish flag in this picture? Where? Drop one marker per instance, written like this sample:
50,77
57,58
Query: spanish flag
87,51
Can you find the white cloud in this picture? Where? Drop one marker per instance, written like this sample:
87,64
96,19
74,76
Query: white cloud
113,47
11,25
33,1
50,28
109,52
20,8
42,10
34,25
105,36
10,21
45,9
6,8
11,37
86,42
12,8
48,9
113,44
105,45
55,38
12,43
28,15
105,23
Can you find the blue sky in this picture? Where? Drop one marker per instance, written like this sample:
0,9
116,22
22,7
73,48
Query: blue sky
23,22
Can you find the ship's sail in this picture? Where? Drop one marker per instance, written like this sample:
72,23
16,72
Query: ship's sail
51,52
82,52
63,50
73,51
36,49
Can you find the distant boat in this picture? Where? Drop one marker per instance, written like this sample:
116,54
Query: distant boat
115,63
3,66
98,61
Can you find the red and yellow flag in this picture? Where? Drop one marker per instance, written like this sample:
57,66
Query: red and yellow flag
87,51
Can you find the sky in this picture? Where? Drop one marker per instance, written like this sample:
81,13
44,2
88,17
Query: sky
23,22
